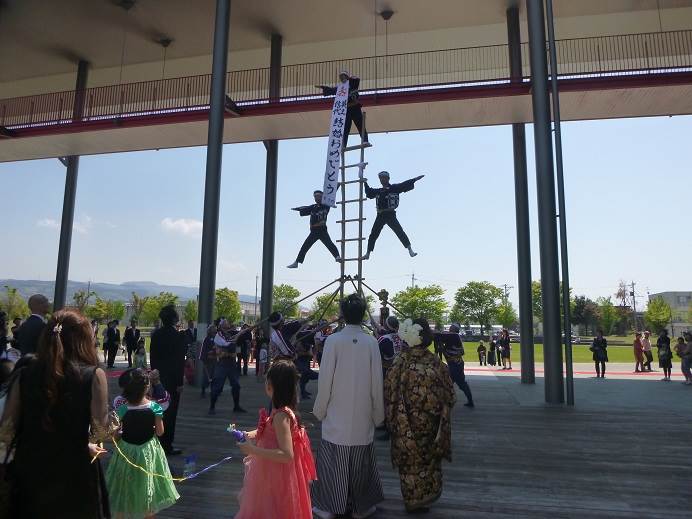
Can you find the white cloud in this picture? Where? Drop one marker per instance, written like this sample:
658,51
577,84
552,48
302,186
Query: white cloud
49,223
81,226
184,226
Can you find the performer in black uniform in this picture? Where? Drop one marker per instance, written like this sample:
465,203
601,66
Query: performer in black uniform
387,201
354,112
451,346
318,229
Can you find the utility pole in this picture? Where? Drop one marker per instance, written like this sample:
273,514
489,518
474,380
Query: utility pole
413,280
634,308
256,282
507,289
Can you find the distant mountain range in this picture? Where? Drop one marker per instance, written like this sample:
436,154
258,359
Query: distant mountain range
116,292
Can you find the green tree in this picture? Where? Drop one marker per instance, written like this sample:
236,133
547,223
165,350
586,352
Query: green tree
427,302
284,297
537,302
227,304
13,304
478,302
116,310
81,299
320,306
657,315
137,303
190,311
153,305
99,310
506,314
585,313
608,314
689,313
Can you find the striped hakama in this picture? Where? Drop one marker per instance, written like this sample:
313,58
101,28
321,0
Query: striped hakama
347,479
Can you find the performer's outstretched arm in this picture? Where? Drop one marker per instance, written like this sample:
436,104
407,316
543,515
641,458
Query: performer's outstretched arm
327,90
371,192
405,186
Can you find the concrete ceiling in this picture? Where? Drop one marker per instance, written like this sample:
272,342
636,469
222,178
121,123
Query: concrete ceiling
41,38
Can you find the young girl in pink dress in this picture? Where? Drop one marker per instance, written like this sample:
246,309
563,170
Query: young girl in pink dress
279,465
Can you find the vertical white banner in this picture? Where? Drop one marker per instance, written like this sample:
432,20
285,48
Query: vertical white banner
336,135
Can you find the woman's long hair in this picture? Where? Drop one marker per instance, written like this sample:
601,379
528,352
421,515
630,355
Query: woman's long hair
66,344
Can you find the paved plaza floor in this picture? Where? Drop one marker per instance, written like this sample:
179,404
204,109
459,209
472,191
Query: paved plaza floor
622,451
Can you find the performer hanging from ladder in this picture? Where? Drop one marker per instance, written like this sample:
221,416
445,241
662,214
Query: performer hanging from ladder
318,213
387,201
354,112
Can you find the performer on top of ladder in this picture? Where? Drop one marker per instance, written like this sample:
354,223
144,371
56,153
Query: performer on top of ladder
318,213
387,201
354,112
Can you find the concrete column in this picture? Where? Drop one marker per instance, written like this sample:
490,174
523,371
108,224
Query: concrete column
547,227
212,185
69,197
272,147
521,204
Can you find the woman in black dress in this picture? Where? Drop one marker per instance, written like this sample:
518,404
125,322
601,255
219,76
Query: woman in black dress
52,404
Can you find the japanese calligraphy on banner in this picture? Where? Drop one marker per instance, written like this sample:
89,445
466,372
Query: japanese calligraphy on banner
336,135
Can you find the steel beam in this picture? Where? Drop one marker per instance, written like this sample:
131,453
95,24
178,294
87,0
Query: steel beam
547,227
69,197
212,185
269,236
521,204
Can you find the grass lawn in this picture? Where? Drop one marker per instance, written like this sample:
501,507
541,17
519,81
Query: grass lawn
580,353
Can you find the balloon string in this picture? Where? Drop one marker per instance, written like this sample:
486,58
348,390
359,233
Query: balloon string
164,476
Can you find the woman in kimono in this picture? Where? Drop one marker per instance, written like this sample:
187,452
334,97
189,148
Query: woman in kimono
418,413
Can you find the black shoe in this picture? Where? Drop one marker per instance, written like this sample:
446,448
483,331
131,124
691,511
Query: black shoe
212,411
238,409
173,452
469,404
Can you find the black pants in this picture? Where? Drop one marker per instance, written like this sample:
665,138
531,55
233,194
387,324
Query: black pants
241,361
130,351
600,370
387,218
354,114
649,359
306,374
456,373
112,352
170,416
321,234
209,366
225,369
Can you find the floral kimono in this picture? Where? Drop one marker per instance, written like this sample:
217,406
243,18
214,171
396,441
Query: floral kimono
420,398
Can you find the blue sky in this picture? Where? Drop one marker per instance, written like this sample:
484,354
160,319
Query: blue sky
138,215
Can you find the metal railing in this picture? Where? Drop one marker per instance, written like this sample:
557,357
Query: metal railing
606,56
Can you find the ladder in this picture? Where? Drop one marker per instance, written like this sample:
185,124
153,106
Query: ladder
349,218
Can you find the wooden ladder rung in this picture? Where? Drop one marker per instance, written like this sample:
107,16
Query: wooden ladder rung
353,181
358,146
351,220
352,201
357,165
350,239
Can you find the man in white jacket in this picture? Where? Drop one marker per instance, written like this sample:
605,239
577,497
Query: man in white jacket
350,405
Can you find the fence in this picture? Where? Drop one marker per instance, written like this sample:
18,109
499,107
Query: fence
606,56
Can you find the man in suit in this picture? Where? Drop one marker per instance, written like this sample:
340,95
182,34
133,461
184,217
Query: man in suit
167,354
30,331
190,333
112,342
132,335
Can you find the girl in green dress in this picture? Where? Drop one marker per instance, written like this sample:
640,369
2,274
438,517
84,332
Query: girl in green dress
137,493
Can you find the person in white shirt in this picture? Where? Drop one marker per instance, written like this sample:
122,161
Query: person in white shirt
350,405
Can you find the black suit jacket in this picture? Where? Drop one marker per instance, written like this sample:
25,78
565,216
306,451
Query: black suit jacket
112,337
132,336
29,333
190,335
167,354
